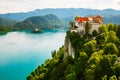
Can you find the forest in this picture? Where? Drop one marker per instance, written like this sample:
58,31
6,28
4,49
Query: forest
5,29
97,57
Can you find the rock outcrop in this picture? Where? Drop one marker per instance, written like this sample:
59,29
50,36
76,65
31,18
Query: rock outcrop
68,49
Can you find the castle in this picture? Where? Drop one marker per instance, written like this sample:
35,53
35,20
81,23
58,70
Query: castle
80,22
79,27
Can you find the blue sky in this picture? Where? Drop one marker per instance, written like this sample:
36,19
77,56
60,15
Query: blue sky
7,6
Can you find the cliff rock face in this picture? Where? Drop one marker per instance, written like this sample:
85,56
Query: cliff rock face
68,49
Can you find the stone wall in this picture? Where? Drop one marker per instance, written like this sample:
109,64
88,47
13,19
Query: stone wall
94,26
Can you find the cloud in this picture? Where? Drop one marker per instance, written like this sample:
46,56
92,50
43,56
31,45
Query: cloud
116,2
28,5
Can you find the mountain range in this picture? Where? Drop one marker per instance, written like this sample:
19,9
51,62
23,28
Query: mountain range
112,19
55,18
7,22
61,13
67,14
49,22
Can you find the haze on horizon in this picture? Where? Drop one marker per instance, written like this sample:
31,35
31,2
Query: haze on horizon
8,6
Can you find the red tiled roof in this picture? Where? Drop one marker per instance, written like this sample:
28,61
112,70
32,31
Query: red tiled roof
85,19
82,19
98,16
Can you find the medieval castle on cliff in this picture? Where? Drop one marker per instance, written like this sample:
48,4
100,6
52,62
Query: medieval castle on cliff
78,26
80,22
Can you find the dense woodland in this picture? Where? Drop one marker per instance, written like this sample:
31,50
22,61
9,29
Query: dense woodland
47,22
6,25
97,57
5,29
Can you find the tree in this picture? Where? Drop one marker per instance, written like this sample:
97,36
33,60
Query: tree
112,58
110,27
71,76
76,42
69,60
58,72
118,32
116,69
104,77
90,72
80,63
94,33
76,17
90,47
110,48
115,27
113,77
87,28
112,38
102,28
94,59
53,53
30,77
105,66
100,40
71,23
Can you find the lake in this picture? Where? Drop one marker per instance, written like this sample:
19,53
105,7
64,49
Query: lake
22,52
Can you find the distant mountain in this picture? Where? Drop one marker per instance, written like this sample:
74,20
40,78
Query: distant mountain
68,19
107,19
7,22
112,19
49,21
61,13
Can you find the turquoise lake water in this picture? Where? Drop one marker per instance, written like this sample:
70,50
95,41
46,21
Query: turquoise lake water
22,52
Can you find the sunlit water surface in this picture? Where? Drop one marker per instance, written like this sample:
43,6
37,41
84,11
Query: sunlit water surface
22,52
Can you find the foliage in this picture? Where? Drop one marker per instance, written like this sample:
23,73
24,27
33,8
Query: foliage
113,77
71,23
116,69
110,49
102,28
76,41
71,76
96,58
94,33
48,22
87,28
90,47
5,29
112,38
7,22
118,32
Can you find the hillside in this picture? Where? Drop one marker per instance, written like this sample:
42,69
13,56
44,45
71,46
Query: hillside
7,22
60,12
112,19
97,57
6,25
49,22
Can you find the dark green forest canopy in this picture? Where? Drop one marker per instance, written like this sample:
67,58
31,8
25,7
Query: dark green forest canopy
95,59
5,29
6,25
47,22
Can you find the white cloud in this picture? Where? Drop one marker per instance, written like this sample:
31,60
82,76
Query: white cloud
27,5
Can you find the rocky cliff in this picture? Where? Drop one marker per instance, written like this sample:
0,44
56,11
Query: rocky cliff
68,49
